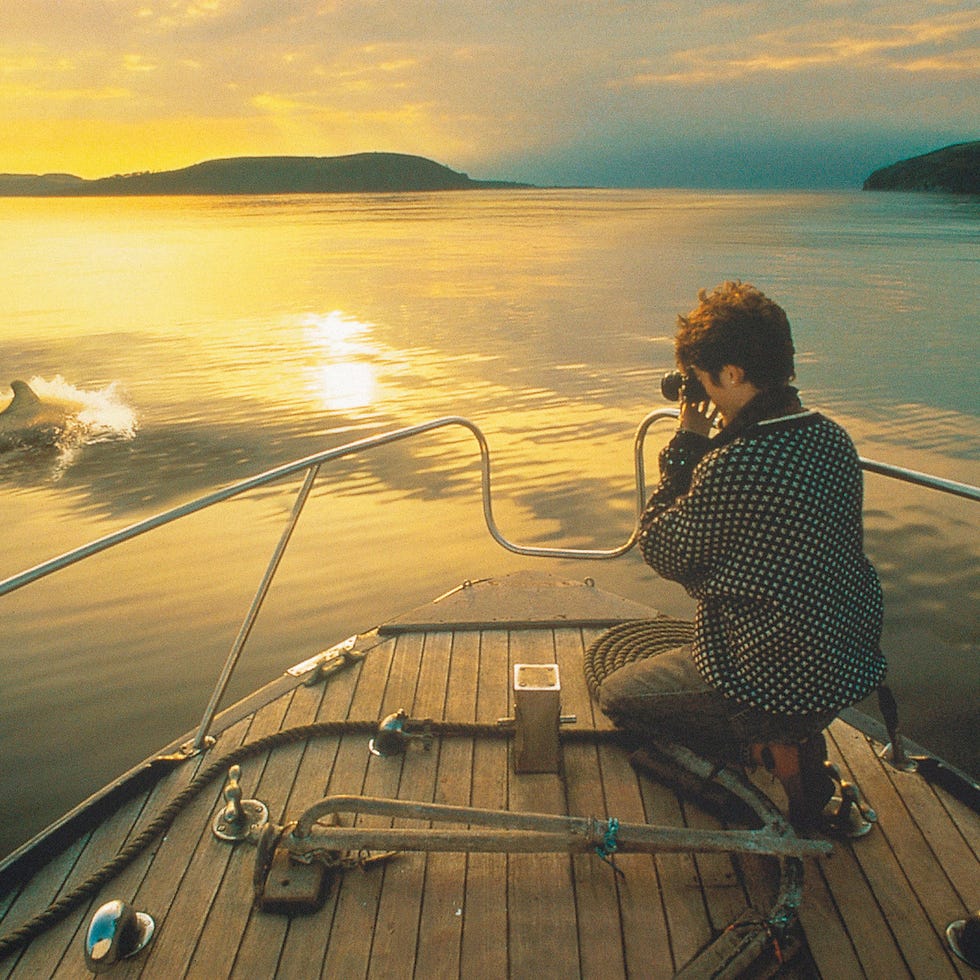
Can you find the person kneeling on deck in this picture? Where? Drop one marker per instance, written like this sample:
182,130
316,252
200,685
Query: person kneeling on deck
761,523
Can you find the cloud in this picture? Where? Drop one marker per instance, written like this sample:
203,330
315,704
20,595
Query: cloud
137,62
833,46
468,82
36,82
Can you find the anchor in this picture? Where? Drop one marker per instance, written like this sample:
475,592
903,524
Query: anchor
318,840
297,884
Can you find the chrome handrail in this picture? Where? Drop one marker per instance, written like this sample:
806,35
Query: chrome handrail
311,465
68,558
951,487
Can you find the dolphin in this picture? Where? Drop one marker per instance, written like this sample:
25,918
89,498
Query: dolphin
29,421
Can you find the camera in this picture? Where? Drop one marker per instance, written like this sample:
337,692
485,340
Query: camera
674,385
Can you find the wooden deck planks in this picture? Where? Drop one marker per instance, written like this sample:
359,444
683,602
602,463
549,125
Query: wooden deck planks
441,924
877,907
384,686
396,936
830,943
688,924
543,928
259,952
223,874
889,858
45,886
56,952
646,942
307,935
53,946
596,895
483,949
930,810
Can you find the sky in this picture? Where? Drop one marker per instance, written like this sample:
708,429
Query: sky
677,93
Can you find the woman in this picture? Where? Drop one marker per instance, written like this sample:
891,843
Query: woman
761,523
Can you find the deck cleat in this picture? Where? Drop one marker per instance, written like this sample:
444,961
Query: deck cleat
963,937
240,819
894,752
848,815
895,755
116,932
393,736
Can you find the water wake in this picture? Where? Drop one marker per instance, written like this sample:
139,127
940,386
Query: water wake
70,418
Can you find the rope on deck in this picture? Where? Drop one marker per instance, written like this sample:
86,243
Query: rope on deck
633,640
58,909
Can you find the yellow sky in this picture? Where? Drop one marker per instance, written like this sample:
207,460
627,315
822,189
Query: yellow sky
95,88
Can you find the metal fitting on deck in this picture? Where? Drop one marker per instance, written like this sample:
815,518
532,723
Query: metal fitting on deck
239,819
116,931
394,735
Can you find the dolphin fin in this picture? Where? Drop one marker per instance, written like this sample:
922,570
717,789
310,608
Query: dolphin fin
24,393
24,400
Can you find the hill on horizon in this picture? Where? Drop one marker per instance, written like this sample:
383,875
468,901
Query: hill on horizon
953,169
354,173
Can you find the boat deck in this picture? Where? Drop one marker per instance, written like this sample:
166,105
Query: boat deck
877,907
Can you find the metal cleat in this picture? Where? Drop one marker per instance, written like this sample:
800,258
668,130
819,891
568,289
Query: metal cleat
894,754
852,817
393,737
240,819
116,932
318,667
847,814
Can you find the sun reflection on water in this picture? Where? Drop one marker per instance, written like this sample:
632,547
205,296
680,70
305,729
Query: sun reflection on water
344,377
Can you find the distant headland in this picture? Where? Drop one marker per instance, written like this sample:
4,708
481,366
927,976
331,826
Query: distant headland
953,170
353,174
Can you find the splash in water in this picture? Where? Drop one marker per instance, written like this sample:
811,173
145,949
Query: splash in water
57,414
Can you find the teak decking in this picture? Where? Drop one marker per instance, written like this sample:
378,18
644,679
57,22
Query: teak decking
877,907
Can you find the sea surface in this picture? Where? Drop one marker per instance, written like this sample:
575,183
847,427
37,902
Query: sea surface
205,340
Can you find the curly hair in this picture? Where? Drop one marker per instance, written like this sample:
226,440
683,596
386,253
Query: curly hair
737,324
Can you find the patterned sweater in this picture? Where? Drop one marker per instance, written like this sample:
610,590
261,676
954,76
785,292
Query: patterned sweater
765,532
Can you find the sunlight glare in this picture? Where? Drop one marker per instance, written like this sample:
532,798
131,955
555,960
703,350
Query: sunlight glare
343,377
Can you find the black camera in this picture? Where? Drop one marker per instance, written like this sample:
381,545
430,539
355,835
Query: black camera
674,385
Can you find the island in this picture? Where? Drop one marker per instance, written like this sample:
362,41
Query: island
352,174
953,170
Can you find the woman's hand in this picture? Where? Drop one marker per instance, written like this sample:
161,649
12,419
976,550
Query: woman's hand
698,417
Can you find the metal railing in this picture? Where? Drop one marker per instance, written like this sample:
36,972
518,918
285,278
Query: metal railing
921,479
310,465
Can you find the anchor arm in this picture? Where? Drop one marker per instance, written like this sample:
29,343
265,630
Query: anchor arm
502,831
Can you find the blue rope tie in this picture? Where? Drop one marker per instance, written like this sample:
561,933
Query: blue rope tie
609,845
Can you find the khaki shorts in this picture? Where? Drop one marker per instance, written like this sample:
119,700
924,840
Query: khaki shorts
665,696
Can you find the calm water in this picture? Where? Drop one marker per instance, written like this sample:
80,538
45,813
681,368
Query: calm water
210,339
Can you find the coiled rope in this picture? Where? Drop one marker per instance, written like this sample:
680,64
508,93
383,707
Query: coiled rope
633,640
58,909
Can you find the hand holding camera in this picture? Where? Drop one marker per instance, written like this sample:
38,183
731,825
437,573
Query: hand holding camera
697,411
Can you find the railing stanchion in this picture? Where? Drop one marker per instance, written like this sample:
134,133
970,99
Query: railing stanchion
250,617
